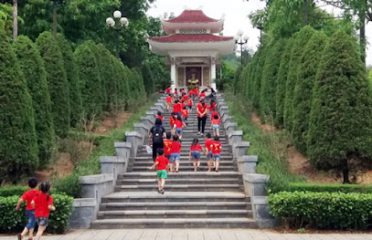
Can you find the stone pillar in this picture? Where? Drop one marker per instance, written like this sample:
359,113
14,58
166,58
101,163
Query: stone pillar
84,211
230,127
235,137
123,149
113,165
247,164
213,73
240,149
96,186
173,74
142,129
135,139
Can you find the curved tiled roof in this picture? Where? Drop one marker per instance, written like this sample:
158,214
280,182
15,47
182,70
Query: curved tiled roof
191,38
192,16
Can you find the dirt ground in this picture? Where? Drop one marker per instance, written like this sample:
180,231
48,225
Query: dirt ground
63,165
300,165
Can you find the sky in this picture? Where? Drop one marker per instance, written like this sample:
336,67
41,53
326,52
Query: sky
235,13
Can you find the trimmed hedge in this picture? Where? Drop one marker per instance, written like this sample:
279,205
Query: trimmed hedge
345,188
323,210
12,220
7,191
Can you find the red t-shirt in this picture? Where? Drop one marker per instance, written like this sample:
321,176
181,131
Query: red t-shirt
176,147
177,107
178,123
171,121
185,113
216,147
214,113
216,121
189,102
167,146
168,90
185,98
28,196
212,107
201,108
196,148
162,163
42,202
202,95
159,117
208,144
169,99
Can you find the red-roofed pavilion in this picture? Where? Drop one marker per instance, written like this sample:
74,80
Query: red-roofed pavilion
193,46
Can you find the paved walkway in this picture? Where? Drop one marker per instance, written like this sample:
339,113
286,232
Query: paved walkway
196,234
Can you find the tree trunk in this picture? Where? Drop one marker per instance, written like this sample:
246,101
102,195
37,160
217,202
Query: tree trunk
362,35
345,171
15,19
55,21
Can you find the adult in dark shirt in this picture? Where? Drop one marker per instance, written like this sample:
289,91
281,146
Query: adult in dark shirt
156,134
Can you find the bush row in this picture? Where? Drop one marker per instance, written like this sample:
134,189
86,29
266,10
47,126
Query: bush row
313,187
323,210
315,86
12,220
48,88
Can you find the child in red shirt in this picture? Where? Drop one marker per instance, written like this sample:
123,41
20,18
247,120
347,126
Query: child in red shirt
185,114
177,107
169,101
168,90
212,106
172,120
160,116
27,197
208,150
175,153
216,125
216,152
43,204
195,152
161,164
167,144
178,126
189,103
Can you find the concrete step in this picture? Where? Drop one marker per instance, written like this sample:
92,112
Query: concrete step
184,158
185,168
182,175
149,163
174,223
148,214
210,187
181,205
181,181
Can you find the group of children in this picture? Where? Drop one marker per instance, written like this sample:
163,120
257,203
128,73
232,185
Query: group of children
168,157
38,204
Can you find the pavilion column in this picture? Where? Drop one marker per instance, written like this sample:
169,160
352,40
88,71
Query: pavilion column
173,74
213,74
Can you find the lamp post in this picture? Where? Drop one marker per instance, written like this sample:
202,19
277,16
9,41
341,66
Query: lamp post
241,40
117,22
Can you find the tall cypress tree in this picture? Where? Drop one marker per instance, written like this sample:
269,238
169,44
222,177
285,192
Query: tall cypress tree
269,78
73,80
256,78
304,87
281,83
90,80
340,118
302,37
57,82
18,144
32,66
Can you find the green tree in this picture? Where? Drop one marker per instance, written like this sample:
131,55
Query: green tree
90,79
269,78
57,82
340,119
282,82
308,67
301,39
32,67
257,76
18,144
148,78
73,80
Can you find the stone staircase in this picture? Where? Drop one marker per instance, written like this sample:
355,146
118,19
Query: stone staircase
192,199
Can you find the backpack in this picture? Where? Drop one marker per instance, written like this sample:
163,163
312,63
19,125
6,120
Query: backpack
157,135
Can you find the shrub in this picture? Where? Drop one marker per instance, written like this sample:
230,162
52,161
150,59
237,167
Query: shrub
322,210
72,79
269,78
313,187
107,72
7,191
32,66
308,67
68,185
301,38
90,79
57,82
340,118
12,221
281,83
257,76
18,144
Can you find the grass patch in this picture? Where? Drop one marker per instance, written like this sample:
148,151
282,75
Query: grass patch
269,147
104,147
